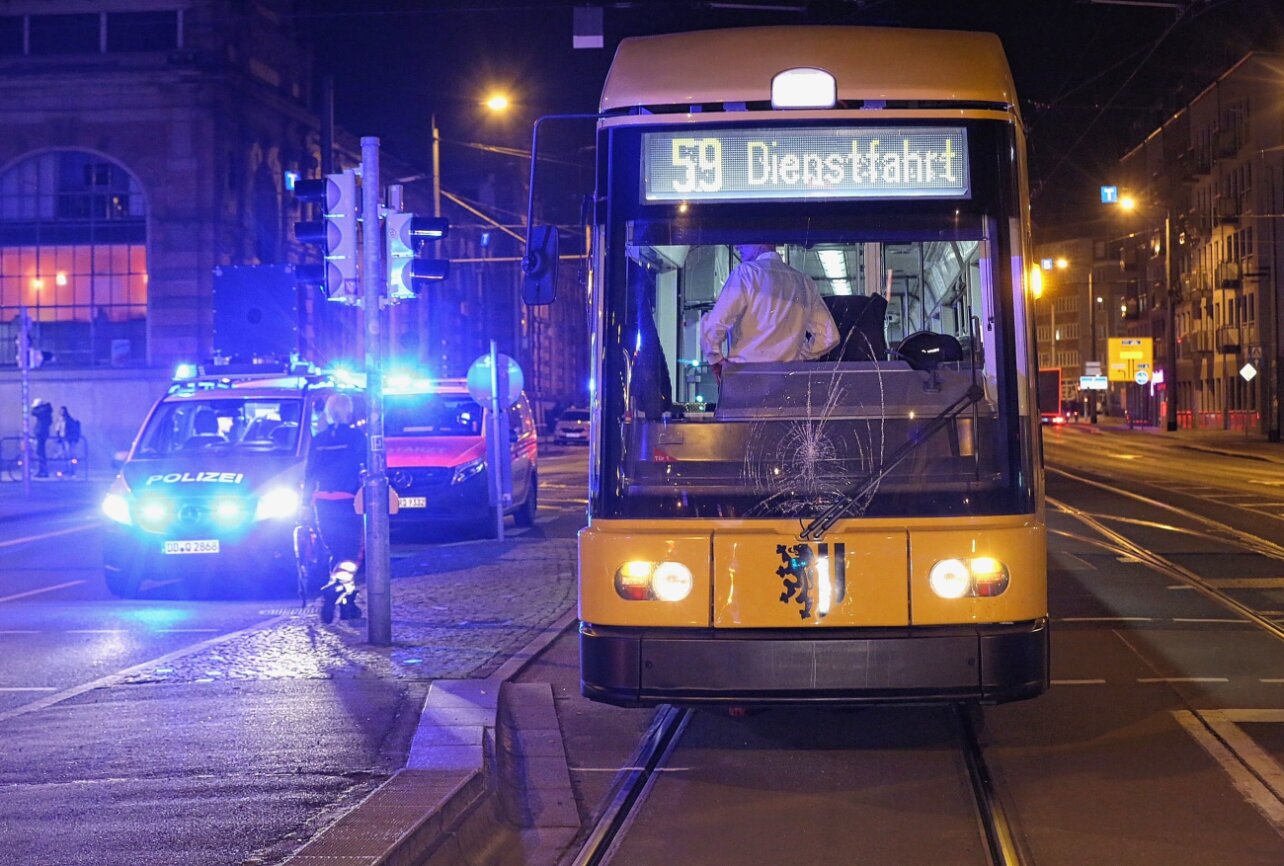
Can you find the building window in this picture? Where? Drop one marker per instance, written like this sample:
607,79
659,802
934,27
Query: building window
64,34
73,252
10,35
142,31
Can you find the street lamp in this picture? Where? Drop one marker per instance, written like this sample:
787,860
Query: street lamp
1128,203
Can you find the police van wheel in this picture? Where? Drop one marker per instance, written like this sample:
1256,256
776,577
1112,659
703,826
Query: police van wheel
525,516
121,584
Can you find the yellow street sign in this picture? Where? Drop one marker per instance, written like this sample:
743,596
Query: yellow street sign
1128,355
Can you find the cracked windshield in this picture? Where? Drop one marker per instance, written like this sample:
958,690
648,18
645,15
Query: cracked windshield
892,406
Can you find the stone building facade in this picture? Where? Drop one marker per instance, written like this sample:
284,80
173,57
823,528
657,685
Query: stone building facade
1202,251
147,146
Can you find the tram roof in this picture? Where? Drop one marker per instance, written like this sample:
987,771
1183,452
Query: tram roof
868,63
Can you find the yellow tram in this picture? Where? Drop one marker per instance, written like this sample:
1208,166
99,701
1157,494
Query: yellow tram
863,527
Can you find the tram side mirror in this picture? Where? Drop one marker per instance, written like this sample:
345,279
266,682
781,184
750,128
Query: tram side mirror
539,267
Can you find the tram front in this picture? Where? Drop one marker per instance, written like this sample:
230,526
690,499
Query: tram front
864,527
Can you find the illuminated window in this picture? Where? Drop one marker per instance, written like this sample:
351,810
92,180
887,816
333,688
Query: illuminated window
73,251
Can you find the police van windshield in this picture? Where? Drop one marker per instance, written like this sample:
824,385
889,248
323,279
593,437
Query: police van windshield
251,426
431,415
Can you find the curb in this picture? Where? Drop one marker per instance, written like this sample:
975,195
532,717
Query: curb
434,811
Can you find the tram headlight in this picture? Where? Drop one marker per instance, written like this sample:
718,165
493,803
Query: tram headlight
671,581
980,577
949,578
639,580
989,576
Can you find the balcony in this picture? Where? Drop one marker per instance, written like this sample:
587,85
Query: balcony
1193,164
1198,342
1228,339
1226,210
1229,275
1225,143
1194,284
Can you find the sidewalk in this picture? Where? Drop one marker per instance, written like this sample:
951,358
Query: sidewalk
51,496
466,618
1234,443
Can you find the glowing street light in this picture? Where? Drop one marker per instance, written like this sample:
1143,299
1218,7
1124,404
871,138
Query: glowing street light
498,102
1127,203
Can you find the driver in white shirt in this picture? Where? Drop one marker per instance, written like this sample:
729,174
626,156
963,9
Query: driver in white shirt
767,311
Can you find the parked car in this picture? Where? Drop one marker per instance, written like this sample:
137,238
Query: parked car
572,427
435,436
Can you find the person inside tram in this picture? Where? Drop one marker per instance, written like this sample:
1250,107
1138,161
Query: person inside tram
767,312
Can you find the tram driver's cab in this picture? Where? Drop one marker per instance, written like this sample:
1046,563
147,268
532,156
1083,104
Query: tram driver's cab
782,439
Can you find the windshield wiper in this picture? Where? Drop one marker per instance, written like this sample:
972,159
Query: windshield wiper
832,514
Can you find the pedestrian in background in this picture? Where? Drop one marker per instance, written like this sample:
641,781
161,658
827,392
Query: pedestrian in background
42,415
331,480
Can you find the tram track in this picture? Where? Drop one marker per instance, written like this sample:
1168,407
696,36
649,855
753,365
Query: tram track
1225,533
629,795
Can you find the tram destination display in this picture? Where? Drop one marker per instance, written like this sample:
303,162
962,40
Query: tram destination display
713,165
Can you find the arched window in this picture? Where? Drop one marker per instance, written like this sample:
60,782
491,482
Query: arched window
73,251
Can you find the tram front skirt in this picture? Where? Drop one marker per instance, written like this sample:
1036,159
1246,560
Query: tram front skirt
635,667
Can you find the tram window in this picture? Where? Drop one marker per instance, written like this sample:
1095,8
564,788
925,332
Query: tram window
774,439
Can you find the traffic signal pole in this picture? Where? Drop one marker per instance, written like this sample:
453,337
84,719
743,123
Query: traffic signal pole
375,492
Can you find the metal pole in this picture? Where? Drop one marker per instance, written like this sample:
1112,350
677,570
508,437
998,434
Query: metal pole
1170,336
1092,320
1275,379
378,566
24,394
500,449
432,352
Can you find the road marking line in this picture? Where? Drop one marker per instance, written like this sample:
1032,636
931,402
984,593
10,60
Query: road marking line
1106,619
1241,716
1207,619
27,539
1271,680
1249,784
32,592
120,676
19,631
1078,682
1182,680
28,689
1245,582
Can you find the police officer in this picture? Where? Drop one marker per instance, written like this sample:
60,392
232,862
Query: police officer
332,478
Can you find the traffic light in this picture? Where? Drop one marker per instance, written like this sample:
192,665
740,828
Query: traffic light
405,233
335,233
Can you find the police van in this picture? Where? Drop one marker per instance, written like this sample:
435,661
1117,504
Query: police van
210,490
435,436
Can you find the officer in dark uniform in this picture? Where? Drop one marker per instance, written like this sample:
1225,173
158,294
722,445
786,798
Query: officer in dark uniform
332,478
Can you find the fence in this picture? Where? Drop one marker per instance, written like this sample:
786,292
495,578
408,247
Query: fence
65,459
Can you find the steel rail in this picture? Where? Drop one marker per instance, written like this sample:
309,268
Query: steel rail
629,789
1252,542
1172,569
1002,846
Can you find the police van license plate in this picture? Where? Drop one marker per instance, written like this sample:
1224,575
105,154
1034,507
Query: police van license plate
414,502
200,545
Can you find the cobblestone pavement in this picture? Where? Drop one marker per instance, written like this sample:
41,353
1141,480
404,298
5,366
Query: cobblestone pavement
457,612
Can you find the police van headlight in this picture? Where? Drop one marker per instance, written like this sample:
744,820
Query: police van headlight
638,580
468,470
978,577
277,503
116,507
153,512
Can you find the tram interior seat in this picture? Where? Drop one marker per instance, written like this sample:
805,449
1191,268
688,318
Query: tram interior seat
835,390
927,350
860,320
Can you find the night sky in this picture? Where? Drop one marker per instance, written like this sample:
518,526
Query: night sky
1094,79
